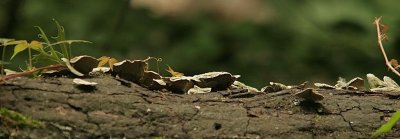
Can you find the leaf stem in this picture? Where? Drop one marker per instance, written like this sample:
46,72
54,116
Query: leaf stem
31,71
2,59
30,58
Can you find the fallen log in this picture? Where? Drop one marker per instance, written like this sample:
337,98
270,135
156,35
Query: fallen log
117,109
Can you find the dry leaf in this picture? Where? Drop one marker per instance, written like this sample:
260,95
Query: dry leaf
394,63
111,62
174,73
384,30
103,60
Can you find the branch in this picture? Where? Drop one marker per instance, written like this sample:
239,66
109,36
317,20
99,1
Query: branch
19,74
378,24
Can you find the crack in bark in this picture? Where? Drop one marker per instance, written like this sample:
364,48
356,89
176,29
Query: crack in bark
247,126
344,119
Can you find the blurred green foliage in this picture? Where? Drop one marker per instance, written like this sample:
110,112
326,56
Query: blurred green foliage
301,40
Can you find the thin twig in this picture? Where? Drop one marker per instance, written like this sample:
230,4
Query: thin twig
377,22
19,74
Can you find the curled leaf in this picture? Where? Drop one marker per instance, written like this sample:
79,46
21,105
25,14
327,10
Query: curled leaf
355,84
130,70
324,86
215,80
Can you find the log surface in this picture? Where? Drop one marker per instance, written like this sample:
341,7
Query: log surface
117,109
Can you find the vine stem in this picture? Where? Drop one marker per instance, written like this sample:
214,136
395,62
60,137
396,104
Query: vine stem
377,22
19,74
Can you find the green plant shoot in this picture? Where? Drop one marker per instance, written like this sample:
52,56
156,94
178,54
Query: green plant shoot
388,126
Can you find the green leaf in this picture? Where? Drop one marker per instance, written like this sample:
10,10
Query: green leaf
385,128
44,37
36,45
21,46
61,37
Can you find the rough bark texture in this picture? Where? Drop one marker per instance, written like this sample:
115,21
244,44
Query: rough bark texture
116,109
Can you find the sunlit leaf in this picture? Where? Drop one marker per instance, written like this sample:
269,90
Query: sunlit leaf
174,73
388,126
106,60
36,45
103,60
111,62
20,46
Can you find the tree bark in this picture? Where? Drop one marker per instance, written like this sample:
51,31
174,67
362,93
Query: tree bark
117,109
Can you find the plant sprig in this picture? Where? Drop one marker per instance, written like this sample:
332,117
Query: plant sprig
392,65
45,51
381,33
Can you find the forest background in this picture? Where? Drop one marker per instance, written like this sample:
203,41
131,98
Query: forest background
262,40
